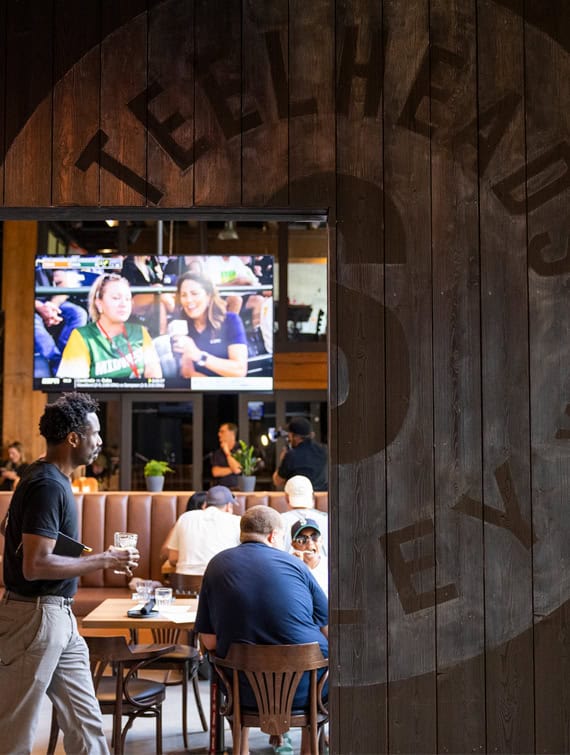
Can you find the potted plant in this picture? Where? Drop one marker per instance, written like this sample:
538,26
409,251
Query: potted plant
154,472
245,457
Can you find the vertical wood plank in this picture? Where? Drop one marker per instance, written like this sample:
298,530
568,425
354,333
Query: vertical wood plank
359,594
76,99
21,407
218,101
505,384
457,374
311,103
119,148
265,138
172,151
543,190
29,50
410,505
3,42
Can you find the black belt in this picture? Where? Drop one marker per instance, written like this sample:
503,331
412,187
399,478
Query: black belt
37,599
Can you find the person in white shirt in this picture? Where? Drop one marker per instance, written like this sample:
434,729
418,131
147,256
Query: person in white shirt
306,544
199,535
300,499
230,271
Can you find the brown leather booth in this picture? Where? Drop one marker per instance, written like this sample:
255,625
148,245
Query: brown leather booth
151,515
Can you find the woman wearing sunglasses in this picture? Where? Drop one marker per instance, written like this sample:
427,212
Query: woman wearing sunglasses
306,545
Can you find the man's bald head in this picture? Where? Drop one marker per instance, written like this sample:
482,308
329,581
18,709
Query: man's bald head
259,523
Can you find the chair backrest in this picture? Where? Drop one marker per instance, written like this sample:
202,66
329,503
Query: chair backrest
274,673
170,635
186,584
106,650
115,694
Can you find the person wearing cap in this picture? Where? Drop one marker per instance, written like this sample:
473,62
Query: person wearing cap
199,535
304,456
225,469
300,501
306,544
256,593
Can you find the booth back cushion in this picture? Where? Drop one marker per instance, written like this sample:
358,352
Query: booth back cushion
150,515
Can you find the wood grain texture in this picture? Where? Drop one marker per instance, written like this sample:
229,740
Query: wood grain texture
547,123
457,372
76,102
3,32
311,103
505,382
302,370
218,41
172,151
29,51
22,407
265,138
444,166
122,141
412,706
361,325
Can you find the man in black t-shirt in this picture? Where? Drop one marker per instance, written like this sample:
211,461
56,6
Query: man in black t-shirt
225,469
41,651
304,456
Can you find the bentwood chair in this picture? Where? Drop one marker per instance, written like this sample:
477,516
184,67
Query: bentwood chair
183,661
124,693
185,658
188,585
274,673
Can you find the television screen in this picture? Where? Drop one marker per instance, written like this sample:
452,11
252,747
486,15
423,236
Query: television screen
117,322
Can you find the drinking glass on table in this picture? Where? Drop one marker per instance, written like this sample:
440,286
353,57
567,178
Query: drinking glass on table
145,589
125,540
162,597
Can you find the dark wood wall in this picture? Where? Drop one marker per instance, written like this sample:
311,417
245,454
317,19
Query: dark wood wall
436,132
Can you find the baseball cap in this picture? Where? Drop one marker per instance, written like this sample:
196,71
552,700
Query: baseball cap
299,426
219,495
300,492
303,524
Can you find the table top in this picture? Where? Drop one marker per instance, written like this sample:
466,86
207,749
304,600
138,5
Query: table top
112,614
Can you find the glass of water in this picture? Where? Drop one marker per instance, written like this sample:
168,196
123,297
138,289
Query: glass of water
162,597
125,540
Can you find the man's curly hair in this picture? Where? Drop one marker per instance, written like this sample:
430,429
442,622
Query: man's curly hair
66,415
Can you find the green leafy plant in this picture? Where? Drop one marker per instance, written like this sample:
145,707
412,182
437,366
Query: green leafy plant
245,457
154,468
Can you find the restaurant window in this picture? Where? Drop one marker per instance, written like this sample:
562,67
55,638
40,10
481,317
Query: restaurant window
163,431
301,282
266,417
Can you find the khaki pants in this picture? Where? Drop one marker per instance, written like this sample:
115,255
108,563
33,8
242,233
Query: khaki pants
41,652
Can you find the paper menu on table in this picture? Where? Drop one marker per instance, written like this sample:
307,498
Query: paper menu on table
178,614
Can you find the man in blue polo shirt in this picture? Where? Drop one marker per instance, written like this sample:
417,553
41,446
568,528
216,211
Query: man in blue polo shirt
256,593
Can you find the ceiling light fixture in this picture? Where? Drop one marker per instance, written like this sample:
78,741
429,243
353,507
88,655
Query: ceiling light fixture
228,232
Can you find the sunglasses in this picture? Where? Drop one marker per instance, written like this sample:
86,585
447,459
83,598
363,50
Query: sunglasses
304,539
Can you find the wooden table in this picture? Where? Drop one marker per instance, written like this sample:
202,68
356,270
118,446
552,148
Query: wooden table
112,614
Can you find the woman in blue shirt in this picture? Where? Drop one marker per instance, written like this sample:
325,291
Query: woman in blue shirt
213,341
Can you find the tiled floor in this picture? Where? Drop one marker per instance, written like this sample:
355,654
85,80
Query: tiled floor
140,739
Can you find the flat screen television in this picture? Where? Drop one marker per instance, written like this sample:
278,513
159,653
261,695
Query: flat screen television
120,323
